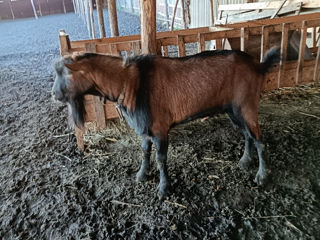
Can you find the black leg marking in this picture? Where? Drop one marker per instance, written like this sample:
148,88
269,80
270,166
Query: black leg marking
246,159
145,164
261,175
161,156
237,119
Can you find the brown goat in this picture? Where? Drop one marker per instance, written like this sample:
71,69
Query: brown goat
155,93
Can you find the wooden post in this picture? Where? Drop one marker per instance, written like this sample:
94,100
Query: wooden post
212,12
112,11
174,14
64,7
167,12
183,14
316,67
181,46
34,9
13,17
87,15
100,18
264,41
244,39
283,52
148,27
302,48
93,34
39,5
201,43
64,43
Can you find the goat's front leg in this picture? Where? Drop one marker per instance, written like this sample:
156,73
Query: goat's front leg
161,156
145,164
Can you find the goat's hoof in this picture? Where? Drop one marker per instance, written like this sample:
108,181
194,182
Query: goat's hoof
244,162
141,176
162,191
261,177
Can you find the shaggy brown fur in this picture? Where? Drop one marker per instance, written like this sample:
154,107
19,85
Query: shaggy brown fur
160,92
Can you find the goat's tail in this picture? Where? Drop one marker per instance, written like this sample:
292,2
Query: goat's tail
270,58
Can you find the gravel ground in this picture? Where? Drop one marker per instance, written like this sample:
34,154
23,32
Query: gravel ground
49,190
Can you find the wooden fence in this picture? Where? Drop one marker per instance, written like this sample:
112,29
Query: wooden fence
254,37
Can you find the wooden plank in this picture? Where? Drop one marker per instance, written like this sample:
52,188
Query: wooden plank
289,19
201,43
148,27
278,9
64,43
255,15
264,41
244,39
301,52
316,66
283,53
267,5
181,46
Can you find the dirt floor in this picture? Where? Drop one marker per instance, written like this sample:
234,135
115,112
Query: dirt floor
50,190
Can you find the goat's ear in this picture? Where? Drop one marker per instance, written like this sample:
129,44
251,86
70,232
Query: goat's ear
74,66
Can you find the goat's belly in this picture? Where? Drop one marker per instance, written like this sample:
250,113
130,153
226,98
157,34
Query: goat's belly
206,113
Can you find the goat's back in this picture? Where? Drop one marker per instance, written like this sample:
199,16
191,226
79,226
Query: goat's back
183,87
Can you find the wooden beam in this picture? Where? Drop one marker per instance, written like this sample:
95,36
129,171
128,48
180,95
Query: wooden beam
101,19
113,19
148,27
302,48
283,52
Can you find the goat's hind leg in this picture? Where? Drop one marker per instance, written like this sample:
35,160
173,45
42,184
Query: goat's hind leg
254,132
161,157
238,121
145,164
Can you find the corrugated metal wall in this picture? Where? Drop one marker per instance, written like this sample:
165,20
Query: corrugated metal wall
200,13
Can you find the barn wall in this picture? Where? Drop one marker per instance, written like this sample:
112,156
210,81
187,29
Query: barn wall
10,9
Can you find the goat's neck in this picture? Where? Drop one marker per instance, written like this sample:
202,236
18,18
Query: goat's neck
115,80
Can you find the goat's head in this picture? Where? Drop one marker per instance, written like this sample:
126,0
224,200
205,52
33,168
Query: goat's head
71,83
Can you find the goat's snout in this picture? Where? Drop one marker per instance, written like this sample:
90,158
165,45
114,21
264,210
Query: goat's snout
58,95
